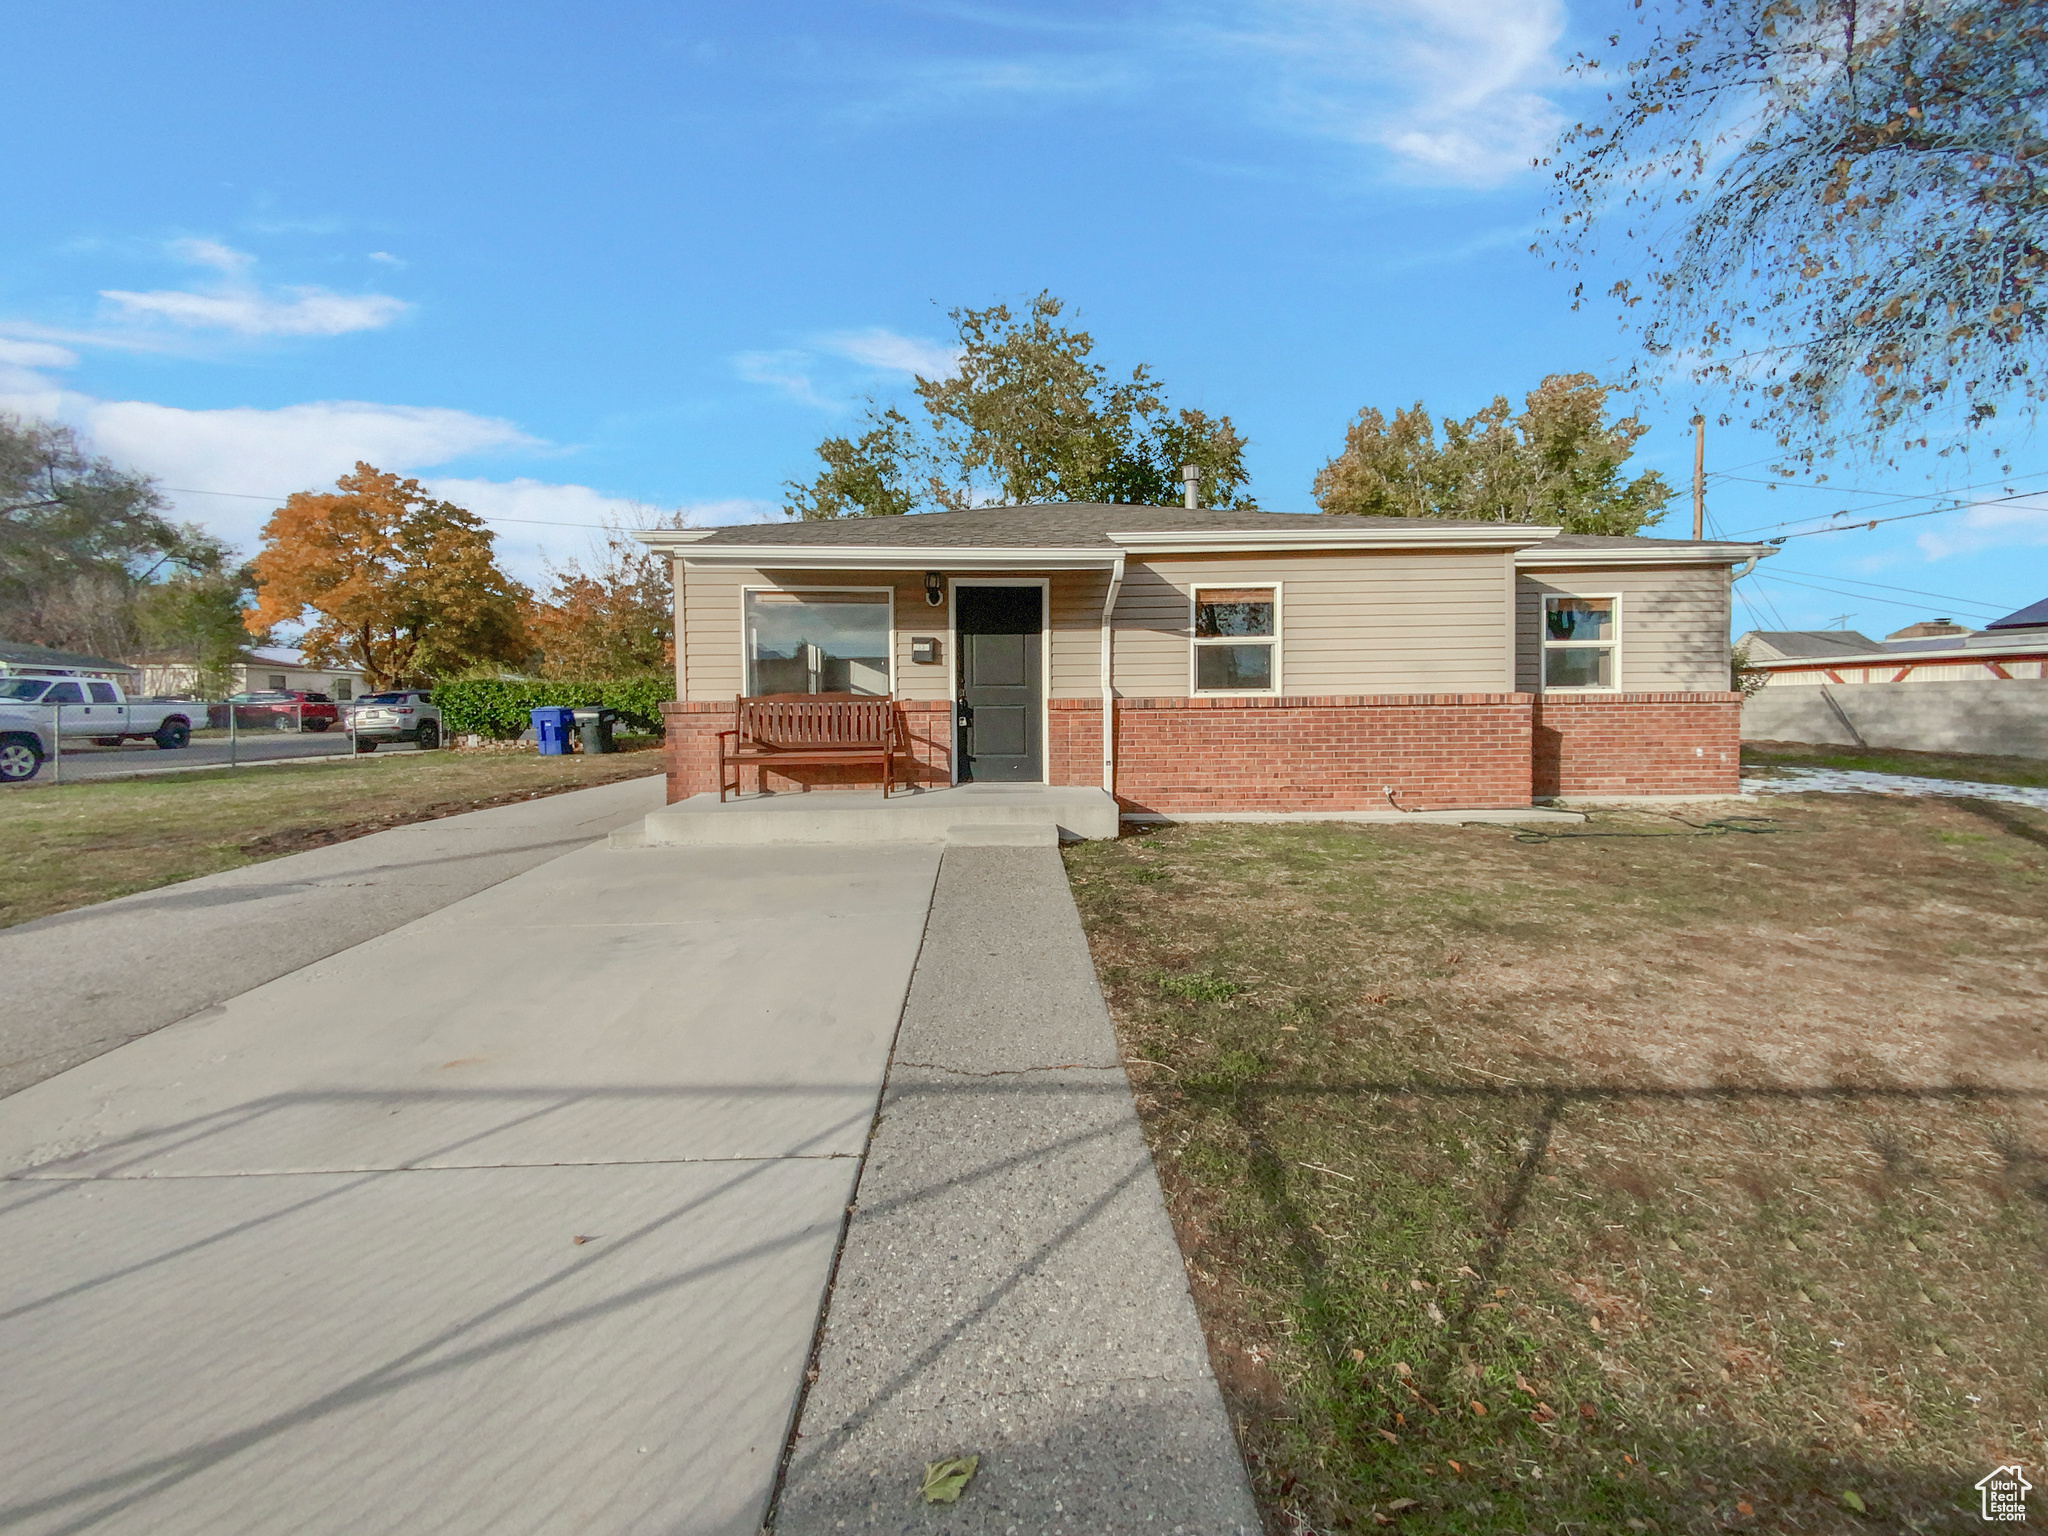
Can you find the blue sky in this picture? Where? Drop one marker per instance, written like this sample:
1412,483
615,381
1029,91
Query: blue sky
556,260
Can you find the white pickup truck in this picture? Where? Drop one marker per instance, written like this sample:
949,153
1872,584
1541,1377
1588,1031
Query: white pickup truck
33,709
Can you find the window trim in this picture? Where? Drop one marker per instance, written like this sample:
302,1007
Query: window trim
748,588
1545,645
1195,644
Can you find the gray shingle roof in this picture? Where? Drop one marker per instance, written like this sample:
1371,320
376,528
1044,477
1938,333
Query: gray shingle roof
1815,644
1076,525
2025,618
22,654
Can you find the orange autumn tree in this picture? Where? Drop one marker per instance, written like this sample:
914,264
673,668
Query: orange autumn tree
401,585
614,617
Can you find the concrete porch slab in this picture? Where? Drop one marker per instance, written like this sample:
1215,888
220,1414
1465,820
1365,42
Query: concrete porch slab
864,816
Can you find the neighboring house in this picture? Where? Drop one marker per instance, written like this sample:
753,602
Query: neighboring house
1804,644
1198,660
256,672
20,659
1949,690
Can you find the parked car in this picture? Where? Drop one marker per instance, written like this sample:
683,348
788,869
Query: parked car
279,709
24,738
405,714
98,711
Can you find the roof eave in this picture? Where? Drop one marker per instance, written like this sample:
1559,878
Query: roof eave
1680,554
670,538
1516,536
902,557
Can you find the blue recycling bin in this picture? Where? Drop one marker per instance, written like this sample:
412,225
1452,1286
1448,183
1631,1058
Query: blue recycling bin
553,724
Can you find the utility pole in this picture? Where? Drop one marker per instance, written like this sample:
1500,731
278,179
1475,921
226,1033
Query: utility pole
1699,477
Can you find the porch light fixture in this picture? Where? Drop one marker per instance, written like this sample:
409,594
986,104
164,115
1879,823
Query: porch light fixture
934,588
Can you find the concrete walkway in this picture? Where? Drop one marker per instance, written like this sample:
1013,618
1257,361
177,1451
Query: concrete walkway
1010,1285
512,1218
83,982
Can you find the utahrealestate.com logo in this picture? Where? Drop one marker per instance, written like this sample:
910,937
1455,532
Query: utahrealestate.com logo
2005,1494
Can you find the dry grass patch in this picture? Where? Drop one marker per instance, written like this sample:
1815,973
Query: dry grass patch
70,845
1656,1174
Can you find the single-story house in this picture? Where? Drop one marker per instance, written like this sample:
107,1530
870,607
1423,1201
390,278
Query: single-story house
1948,691
255,672
19,658
1202,660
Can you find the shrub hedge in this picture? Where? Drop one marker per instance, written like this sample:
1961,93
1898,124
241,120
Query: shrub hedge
498,709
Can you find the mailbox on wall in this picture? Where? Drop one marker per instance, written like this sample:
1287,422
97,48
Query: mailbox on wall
924,649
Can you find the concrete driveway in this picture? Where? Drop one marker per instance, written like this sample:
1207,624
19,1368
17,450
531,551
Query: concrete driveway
85,981
517,1217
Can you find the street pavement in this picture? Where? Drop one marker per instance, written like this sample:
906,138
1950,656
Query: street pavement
81,762
82,982
516,1217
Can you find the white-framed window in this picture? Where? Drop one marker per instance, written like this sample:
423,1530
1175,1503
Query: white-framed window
1581,642
1237,639
818,639
343,687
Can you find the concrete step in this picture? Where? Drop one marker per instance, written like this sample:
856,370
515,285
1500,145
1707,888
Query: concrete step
1003,834
864,816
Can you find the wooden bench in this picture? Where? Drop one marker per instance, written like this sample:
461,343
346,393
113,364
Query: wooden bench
785,731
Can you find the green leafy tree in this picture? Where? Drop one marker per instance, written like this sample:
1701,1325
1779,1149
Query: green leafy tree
77,537
197,611
867,476
1028,416
1557,463
1835,210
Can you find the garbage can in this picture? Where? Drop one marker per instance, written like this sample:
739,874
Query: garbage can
551,726
595,727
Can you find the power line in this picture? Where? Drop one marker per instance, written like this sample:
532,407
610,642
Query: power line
1861,597
1851,581
1896,500
1903,517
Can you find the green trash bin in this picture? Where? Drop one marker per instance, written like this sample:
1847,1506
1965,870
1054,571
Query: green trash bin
595,727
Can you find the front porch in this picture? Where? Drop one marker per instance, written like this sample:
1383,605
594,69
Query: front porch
957,814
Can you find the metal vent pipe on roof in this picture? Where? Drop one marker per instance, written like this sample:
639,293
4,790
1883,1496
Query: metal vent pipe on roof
1190,481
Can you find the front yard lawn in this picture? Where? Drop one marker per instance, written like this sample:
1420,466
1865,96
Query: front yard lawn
1661,1174
68,845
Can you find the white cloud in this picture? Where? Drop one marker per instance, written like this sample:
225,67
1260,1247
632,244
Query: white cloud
237,304
536,522
35,354
388,259
2003,525
887,352
786,371
1454,89
1442,92
308,312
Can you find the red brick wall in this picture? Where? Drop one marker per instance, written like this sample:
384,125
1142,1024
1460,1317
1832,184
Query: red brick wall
1437,751
1073,743
1638,744
693,729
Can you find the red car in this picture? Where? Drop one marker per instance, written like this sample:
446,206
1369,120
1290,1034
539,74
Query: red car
283,709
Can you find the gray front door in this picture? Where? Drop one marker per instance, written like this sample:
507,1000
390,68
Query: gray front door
1000,683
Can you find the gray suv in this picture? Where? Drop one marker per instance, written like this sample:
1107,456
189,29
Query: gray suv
403,715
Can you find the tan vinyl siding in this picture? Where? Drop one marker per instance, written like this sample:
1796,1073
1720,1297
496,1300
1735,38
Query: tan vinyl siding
1423,622
1673,629
710,655
1075,601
